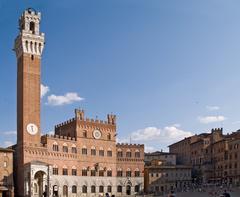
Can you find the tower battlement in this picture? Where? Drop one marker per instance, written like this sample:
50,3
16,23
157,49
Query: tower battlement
72,126
30,40
217,130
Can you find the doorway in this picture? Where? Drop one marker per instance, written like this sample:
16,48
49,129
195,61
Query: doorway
39,187
55,191
128,190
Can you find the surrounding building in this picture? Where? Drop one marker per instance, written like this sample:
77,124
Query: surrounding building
168,158
6,173
182,149
213,156
82,158
232,168
161,177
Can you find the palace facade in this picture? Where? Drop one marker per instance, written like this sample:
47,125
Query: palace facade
82,158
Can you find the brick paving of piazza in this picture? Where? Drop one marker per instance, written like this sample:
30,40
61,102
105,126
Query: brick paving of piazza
234,193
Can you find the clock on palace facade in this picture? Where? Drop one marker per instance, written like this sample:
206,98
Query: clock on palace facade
97,134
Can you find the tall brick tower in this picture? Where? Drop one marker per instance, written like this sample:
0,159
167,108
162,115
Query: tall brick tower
28,47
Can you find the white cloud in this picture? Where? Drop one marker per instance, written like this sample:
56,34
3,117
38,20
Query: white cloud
8,143
212,108
169,133
44,90
10,132
211,119
68,98
156,138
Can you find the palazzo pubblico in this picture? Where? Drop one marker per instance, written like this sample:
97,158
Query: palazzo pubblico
82,158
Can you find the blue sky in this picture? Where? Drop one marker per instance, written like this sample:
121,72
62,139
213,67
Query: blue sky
167,69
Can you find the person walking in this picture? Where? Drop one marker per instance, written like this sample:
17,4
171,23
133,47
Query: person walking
226,194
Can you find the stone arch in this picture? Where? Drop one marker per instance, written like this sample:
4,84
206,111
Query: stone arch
120,182
74,167
55,166
85,183
65,182
74,146
65,144
40,182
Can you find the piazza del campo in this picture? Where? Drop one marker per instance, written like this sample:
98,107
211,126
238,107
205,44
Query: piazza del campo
83,158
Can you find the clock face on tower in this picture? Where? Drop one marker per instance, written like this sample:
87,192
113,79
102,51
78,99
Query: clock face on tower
32,129
97,134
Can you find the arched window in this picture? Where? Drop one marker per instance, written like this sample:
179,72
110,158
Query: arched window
119,153
55,146
74,189
119,188
119,172
26,45
137,172
109,188
65,190
129,154
109,152
65,170
137,154
35,48
109,136
74,171
32,27
128,172
74,148
101,189
40,47
93,150
55,170
85,134
84,150
93,189
84,172
101,171
93,172
84,189
101,151
109,172
65,148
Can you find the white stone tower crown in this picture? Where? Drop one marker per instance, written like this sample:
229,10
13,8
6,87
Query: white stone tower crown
29,40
